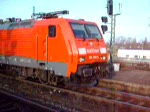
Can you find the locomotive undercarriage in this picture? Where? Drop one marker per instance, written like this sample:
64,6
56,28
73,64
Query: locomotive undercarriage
43,76
91,74
88,74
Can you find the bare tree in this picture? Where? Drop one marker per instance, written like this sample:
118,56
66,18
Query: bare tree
131,43
145,43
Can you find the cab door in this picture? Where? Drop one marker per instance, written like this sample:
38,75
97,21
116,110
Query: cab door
42,42
53,43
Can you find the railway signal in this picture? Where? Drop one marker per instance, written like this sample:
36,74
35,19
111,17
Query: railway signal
111,14
110,7
104,19
104,27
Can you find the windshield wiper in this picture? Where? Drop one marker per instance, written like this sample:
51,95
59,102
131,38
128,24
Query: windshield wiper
84,39
97,39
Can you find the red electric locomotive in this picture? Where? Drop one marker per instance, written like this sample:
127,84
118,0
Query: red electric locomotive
51,49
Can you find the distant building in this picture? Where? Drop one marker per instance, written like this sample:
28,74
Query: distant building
134,54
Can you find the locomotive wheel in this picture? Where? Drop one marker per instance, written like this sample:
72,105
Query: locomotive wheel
14,73
43,77
75,80
23,73
53,79
8,70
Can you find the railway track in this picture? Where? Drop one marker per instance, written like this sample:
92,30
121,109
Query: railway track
10,102
103,98
117,95
8,106
125,87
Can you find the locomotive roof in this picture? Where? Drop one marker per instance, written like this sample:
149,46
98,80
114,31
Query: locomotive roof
21,24
29,23
80,21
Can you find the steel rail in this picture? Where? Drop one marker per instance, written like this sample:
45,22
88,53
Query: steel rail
125,86
30,103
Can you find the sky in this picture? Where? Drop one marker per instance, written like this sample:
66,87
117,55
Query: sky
133,21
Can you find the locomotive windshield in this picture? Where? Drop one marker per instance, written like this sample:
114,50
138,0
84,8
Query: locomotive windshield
85,31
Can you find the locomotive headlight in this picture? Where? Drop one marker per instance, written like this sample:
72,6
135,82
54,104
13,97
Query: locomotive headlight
82,59
103,58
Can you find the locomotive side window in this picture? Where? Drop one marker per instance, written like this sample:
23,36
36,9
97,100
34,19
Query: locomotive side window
52,31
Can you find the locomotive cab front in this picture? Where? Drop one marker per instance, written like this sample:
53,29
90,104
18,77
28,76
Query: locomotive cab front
92,51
